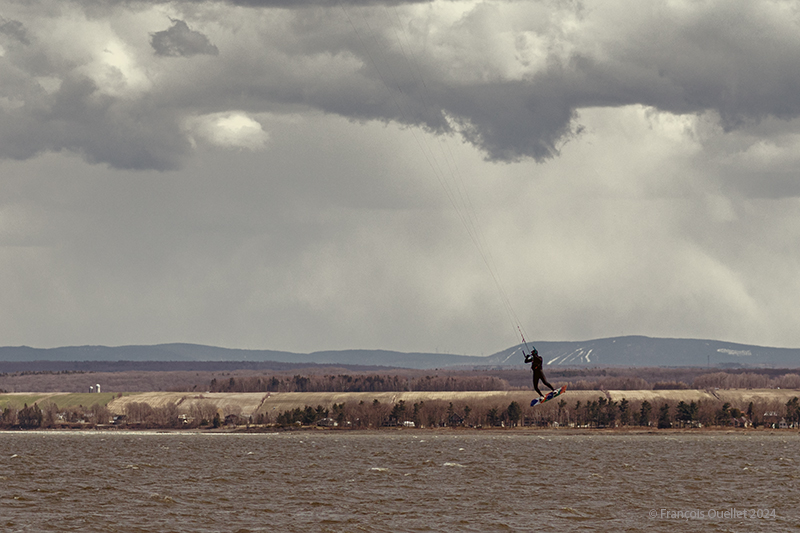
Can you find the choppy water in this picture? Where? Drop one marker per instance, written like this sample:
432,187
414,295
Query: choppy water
397,481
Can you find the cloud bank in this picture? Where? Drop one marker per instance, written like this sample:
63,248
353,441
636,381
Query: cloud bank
508,77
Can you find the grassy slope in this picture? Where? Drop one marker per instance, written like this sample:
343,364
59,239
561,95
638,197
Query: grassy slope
256,402
62,400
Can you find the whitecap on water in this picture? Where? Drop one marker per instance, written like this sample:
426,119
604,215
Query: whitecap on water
160,498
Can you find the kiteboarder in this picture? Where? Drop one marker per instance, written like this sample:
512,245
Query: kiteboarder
538,374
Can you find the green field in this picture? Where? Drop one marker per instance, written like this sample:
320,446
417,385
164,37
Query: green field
62,400
18,400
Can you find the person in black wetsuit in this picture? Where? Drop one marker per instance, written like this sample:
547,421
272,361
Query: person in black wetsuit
538,374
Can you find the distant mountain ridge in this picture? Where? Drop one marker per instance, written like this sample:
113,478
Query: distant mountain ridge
636,351
641,351
198,352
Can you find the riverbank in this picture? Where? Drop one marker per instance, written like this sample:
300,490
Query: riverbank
264,403
254,403
539,431
730,407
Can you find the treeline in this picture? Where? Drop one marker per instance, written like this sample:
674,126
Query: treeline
136,415
358,383
431,413
656,378
607,413
44,372
50,416
747,380
482,382
713,380
500,378
629,383
160,366
199,414
600,413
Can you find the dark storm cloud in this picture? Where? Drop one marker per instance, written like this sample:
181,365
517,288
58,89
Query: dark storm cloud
14,29
280,3
732,63
509,121
103,130
704,65
743,64
98,127
180,41
301,3
737,59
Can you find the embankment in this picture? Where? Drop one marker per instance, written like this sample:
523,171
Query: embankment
256,403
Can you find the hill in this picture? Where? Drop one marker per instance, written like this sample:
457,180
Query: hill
634,351
640,351
612,408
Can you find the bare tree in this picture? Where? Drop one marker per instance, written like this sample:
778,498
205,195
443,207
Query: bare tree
203,412
101,413
50,415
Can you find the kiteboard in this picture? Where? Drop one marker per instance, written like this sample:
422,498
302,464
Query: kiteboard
550,396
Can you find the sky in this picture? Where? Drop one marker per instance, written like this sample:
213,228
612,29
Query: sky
434,176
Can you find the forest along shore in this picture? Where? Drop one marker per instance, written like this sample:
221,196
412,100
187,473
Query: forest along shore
776,408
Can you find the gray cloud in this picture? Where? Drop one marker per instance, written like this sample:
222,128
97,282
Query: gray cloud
298,4
98,127
305,3
741,79
180,41
14,29
742,67
515,94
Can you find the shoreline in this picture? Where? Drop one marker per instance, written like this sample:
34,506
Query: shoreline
520,430
579,410
254,403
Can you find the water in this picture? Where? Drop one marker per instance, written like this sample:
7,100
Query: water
398,481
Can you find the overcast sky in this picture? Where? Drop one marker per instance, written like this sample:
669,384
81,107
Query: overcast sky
413,176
